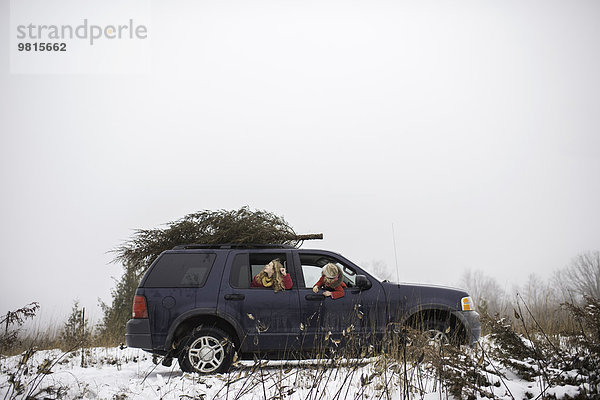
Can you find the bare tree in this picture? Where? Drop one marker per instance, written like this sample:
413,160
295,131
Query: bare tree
379,269
485,292
583,274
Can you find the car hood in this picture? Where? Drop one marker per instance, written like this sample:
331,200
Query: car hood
411,295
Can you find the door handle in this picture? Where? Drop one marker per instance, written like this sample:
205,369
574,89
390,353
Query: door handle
234,296
314,297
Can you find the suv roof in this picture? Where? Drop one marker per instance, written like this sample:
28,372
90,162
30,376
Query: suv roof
233,246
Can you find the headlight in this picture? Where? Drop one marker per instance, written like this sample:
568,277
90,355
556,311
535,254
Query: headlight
467,304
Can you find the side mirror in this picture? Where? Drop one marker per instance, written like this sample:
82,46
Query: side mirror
362,282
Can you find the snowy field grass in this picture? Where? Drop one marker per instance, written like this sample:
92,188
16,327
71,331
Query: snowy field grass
114,373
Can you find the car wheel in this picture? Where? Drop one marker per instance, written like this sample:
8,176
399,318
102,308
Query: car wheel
436,332
206,351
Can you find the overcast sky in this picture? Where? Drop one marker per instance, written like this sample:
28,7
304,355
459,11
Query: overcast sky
471,126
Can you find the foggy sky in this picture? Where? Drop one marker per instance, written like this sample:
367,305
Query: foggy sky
471,126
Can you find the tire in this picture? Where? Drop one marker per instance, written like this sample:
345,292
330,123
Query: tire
206,351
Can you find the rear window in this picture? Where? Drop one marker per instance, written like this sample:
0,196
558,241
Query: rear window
181,270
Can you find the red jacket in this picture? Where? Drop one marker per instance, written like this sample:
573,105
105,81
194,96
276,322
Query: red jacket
287,282
336,292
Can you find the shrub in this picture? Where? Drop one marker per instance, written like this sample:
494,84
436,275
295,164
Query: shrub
76,331
12,322
587,343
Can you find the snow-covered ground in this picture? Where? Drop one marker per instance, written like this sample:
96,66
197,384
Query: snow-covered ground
113,373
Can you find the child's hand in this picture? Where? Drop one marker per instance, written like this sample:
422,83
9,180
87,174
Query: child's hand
326,293
315,289
283,272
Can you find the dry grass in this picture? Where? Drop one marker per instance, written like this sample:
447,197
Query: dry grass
404,364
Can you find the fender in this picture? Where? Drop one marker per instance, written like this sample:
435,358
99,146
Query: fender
198,312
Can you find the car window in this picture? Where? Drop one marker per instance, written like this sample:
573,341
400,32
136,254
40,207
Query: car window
311,274
247,265
240,272
312,264
181,270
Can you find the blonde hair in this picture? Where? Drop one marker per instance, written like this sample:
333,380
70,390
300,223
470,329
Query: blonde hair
277,277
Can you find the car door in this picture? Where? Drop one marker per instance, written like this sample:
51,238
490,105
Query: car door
269,320
360,314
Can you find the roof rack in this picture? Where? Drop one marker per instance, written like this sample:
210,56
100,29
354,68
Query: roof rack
233,246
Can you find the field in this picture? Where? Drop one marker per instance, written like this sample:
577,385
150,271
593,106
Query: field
517,358
416,371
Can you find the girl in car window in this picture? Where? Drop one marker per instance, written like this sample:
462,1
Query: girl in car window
332,281
273,275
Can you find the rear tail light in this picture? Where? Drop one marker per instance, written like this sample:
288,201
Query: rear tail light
139,307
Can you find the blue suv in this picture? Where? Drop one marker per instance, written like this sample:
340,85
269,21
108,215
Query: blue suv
195,303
